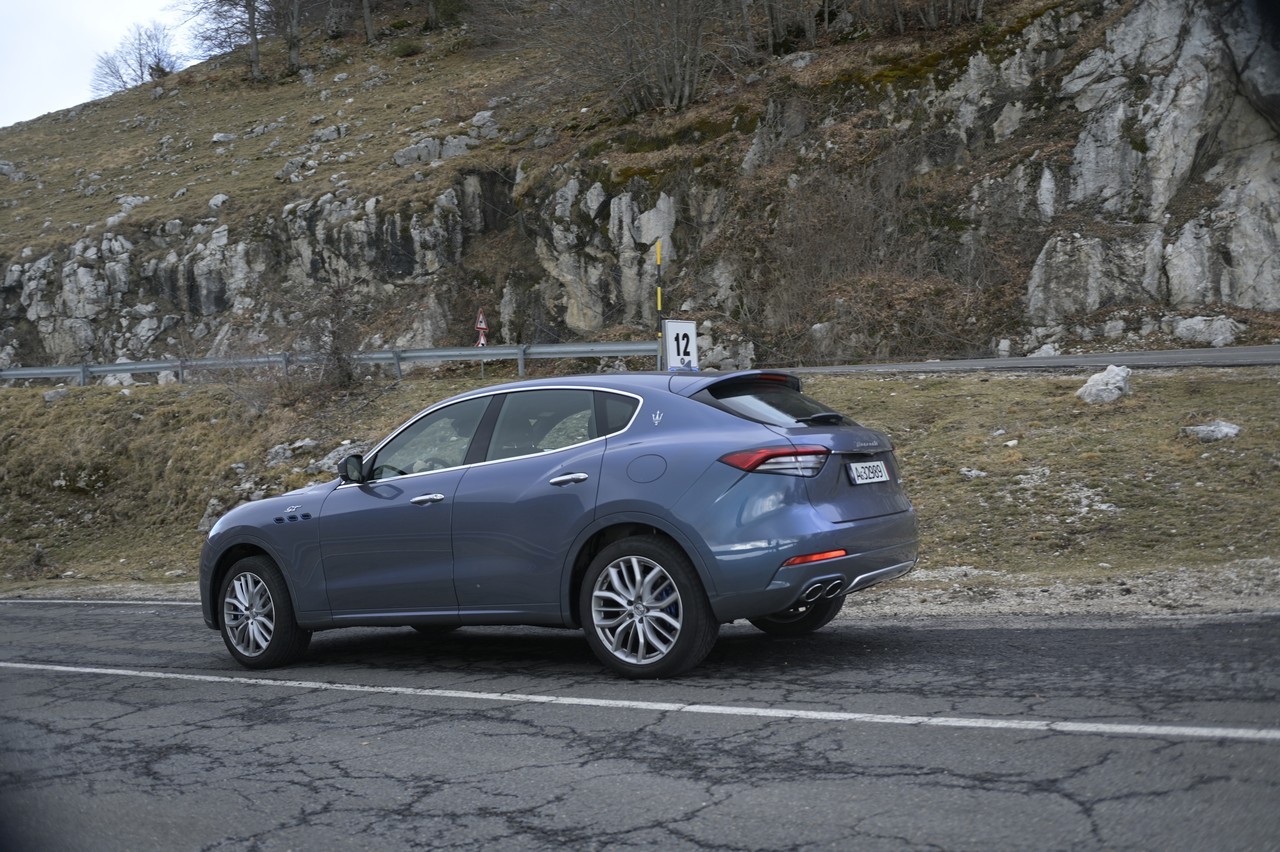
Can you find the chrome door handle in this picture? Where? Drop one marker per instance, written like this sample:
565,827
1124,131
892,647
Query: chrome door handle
570,479
427,498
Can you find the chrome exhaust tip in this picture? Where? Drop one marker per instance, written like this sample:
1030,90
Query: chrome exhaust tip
812,593
833,589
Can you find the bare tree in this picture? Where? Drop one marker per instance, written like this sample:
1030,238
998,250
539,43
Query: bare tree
648,53
145,54
366,9
293,33
224,25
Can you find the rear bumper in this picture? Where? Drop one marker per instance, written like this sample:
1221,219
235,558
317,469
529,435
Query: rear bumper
831,577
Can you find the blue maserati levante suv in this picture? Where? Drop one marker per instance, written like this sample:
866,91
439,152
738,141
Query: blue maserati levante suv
646,509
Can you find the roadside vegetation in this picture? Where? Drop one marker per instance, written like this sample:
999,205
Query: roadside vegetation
1010,474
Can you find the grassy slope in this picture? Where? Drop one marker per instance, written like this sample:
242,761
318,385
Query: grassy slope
111,486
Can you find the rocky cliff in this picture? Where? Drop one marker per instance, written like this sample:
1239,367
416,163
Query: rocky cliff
1073,158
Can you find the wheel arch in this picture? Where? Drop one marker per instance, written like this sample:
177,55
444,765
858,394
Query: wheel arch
226,559
616,530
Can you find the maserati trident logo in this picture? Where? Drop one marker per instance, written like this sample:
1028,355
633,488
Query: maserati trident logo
657,418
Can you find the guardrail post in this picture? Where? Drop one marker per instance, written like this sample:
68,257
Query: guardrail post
84,375
182,371
520,359
395,354
284,359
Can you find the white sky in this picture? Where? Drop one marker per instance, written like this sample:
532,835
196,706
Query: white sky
48,49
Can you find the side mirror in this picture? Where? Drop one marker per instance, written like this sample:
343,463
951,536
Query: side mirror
352,468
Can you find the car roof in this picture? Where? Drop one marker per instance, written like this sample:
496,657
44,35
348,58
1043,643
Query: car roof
683,383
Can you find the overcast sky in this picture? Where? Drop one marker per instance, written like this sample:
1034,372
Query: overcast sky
48,49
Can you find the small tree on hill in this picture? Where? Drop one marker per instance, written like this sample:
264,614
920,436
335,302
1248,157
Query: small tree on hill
223,25
145,54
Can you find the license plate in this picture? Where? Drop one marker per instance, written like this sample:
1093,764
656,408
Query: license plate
861,473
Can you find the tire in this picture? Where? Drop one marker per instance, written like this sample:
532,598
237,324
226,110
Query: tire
801,619
644,612
257,621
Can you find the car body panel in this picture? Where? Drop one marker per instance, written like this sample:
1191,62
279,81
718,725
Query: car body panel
513,526
384,553
285,529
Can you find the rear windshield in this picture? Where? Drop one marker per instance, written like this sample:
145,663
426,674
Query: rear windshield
771,402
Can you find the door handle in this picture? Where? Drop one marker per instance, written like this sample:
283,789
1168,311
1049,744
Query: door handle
427,498
570,479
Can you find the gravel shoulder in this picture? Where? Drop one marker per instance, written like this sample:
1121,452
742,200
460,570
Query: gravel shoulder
1245,586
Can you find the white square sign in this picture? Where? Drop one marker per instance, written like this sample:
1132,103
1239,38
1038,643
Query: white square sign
680,345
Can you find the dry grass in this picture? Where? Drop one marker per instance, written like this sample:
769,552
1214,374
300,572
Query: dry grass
157,142
1072,489
103,485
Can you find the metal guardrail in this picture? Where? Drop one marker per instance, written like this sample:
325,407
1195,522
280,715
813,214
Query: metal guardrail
394,358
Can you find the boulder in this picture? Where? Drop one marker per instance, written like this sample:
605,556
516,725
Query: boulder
422,151
1108,386
1211,331
1217,430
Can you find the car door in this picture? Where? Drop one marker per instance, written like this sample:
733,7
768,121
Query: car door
386,542
516,515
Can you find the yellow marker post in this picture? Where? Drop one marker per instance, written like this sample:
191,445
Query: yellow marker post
657,248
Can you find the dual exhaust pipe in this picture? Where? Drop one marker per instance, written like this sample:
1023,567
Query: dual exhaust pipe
834,587
827,588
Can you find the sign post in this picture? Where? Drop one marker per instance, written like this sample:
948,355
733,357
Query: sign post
680,345
657,254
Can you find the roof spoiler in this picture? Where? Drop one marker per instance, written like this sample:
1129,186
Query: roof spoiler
688,384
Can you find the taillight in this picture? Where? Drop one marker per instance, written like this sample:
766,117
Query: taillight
791,461
815,557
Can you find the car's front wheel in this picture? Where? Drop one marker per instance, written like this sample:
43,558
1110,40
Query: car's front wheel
644,611
257,622
801,619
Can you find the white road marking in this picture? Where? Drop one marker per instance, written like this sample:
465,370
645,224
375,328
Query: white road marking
1122,730
100,602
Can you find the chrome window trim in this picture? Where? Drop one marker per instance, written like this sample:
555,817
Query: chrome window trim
426,412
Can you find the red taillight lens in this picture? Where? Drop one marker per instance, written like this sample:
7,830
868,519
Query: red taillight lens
816,557
791,461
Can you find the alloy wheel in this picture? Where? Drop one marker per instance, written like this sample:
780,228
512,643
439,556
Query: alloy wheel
249,614
636,610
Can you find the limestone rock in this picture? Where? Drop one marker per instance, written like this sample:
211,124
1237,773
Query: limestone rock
1213,331
1216,430
1108,386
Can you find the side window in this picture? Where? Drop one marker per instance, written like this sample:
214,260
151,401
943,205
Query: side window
542,420
434,442
615,411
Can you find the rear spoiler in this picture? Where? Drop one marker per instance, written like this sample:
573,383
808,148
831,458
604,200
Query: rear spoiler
688,384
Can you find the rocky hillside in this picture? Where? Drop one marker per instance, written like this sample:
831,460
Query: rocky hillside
1060,170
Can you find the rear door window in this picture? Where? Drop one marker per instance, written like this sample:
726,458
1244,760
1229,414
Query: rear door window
539,421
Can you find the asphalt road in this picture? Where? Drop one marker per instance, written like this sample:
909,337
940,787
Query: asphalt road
126,726
1226,356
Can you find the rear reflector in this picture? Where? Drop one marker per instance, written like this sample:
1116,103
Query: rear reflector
792,461
815,557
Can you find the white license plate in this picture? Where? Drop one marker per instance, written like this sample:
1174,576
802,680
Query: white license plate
861,473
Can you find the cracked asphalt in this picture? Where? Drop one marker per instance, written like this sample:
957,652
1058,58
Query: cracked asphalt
127,727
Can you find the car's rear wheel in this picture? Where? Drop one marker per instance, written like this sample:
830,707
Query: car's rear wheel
801,619
258,625
644,611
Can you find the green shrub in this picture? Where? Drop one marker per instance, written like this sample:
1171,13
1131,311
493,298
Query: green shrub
406,47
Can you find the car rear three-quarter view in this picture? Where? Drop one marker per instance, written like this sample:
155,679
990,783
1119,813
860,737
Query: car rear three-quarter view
645,508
